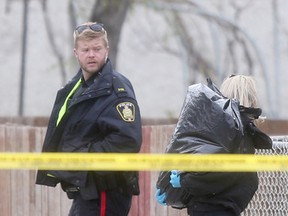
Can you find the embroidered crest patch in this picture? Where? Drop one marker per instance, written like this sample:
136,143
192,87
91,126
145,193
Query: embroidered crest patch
126,111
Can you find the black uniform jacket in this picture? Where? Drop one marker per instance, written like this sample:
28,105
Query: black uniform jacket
105,117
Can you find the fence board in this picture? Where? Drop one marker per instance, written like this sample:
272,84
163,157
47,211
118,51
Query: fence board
160,137
5,178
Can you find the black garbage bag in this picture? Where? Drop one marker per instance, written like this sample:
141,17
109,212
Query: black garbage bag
209,123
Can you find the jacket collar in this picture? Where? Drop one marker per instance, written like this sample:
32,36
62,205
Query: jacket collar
100,84
103,79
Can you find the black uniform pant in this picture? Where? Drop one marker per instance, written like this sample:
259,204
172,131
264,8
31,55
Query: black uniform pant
110,203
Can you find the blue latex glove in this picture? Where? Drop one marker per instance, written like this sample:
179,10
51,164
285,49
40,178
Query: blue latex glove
175,179
161,198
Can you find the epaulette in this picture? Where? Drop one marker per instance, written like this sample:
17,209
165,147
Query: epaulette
119,86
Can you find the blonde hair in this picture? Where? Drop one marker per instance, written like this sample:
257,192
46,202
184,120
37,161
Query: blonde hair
89,34
241,87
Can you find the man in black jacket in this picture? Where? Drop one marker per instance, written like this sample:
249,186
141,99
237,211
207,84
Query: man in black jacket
95,112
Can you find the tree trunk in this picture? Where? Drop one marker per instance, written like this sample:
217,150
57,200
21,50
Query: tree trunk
112,14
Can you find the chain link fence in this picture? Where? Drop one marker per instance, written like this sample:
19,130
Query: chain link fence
271,198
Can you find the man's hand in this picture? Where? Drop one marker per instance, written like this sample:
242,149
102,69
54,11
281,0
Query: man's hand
175,179
161,198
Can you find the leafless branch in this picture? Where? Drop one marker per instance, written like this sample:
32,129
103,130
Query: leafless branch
52,41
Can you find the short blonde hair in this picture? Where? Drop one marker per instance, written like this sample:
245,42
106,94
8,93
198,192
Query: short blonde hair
241,87
89,34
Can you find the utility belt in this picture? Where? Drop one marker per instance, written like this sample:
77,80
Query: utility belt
124,182
107,182
72,192
72,189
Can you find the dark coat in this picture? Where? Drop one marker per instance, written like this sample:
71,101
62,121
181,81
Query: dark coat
209,123
95,121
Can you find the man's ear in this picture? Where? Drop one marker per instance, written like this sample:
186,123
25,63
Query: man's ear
107,54
75,53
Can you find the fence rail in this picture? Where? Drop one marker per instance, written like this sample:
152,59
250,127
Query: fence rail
21,197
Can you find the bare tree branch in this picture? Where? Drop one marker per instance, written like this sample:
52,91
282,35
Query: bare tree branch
195,59
72,14
112,13
54,47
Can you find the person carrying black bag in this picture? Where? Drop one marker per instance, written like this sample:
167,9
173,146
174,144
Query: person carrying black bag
215,122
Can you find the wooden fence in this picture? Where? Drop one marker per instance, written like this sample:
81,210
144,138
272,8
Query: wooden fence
21,197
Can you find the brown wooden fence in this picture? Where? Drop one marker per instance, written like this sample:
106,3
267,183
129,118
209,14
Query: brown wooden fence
21,197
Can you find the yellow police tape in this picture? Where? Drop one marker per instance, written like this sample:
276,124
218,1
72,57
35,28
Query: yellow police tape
143,162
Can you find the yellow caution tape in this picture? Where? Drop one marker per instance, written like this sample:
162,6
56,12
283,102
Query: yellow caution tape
143,162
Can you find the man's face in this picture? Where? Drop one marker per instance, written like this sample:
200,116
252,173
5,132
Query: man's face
91,55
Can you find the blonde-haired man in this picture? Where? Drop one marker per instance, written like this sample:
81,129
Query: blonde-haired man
96,111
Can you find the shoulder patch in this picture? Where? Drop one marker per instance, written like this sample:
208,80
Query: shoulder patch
126,111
